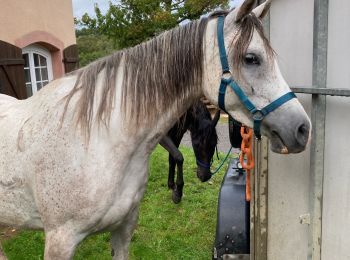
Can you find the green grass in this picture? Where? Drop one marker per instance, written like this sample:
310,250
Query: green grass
223,119
164,231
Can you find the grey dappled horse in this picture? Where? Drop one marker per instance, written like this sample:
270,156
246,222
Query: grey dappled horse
74,157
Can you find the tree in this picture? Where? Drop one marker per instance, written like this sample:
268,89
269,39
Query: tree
130,22
92,46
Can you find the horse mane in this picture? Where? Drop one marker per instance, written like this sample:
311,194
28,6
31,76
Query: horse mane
156,74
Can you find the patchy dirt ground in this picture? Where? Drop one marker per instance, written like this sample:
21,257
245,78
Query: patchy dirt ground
6,232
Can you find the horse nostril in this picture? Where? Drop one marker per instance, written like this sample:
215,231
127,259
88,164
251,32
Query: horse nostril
302,130
302,134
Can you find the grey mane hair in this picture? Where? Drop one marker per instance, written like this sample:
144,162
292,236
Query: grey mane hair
157,74
86,86
162,72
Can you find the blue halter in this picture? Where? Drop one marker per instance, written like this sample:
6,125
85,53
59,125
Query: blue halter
257,114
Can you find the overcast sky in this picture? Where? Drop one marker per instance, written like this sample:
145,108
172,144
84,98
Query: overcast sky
87,6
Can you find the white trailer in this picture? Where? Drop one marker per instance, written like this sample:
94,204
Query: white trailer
301,206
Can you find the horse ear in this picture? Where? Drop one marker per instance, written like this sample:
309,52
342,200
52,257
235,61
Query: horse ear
216,118
262,9
243,10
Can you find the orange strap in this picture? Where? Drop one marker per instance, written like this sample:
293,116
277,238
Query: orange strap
246,158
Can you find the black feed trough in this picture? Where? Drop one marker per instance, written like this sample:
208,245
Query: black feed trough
233,216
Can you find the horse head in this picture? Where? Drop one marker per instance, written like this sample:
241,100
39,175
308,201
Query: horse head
256,94
204,140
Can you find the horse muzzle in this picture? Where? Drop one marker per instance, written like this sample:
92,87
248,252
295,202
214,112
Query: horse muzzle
203,174
292,138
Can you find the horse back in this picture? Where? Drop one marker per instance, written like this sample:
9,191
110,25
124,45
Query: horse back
22,126
17,207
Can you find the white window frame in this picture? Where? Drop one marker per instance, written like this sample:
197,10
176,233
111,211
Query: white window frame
37,49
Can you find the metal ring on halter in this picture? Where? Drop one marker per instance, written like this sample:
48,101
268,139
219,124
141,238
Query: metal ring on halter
258,115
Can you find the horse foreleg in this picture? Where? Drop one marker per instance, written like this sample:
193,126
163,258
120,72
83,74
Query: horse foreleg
176,155
168,145
121,237
171,173
178,191
60,243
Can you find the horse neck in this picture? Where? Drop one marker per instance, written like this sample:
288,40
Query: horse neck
186,121
151,135
197,115
150,97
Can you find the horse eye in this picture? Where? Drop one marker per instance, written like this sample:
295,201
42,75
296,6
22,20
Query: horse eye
251,59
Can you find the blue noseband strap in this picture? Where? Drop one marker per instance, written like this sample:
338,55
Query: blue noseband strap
202,164
257,114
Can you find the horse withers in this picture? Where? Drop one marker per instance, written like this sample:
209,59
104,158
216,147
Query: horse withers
204,139
74,157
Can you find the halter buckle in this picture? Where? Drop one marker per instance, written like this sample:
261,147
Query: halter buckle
258,115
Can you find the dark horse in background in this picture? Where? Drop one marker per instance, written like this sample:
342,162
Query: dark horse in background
204,139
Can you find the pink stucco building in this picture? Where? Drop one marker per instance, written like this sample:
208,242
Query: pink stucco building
37,44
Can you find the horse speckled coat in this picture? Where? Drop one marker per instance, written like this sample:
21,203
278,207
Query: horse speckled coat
74,157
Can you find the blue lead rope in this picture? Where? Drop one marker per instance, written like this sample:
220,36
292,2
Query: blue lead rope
222,163
207,166
257,114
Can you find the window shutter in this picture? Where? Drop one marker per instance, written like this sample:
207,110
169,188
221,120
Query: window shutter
71,58
12,71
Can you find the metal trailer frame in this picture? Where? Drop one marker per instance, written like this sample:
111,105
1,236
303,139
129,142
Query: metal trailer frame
319,91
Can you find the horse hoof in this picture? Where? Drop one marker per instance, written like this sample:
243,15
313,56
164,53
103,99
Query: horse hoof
176,197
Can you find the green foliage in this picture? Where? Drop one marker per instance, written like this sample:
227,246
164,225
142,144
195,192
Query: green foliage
130,22
92,46
164,231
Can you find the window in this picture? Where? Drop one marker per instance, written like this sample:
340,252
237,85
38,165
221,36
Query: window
37,68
